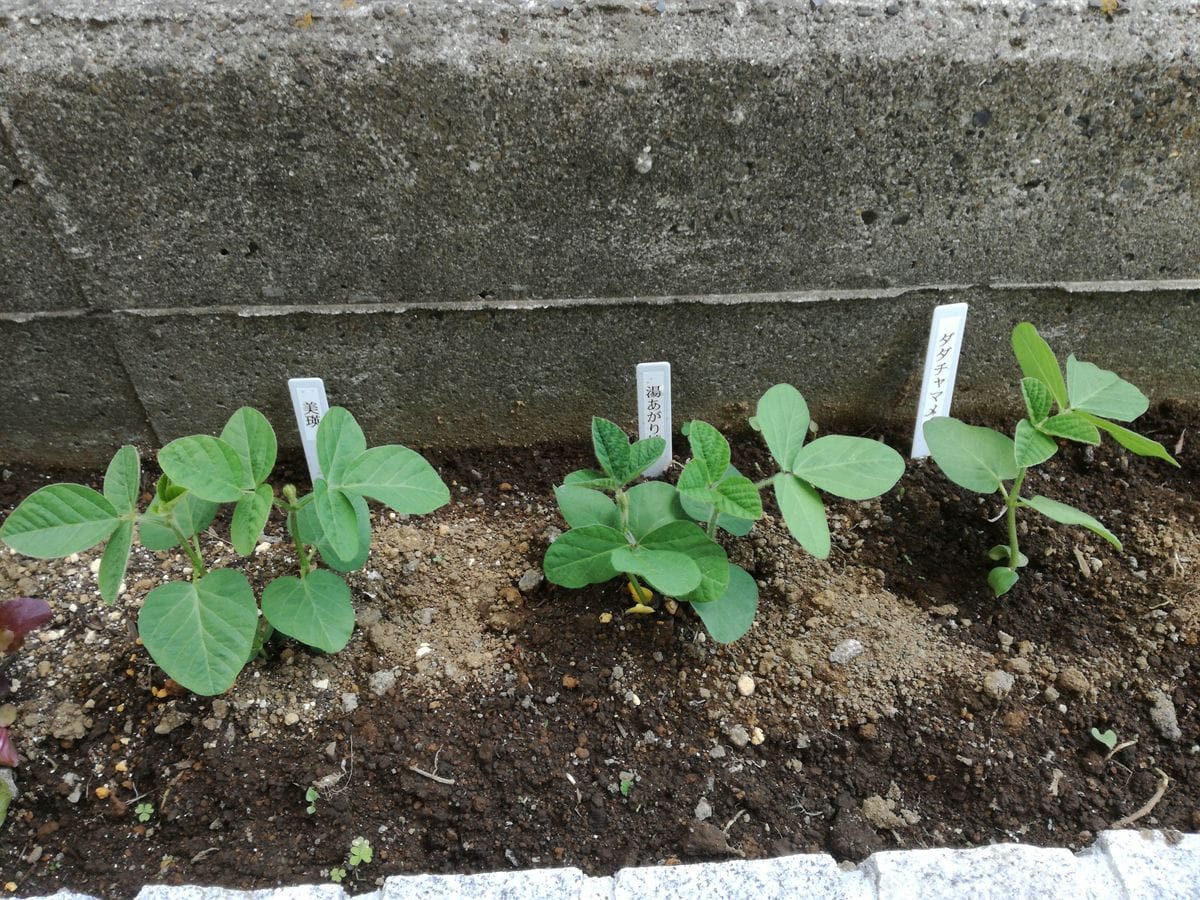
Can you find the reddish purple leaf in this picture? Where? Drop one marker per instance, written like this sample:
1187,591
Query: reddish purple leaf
8,753
20,616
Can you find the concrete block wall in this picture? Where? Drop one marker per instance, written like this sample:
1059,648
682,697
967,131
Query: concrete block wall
473,218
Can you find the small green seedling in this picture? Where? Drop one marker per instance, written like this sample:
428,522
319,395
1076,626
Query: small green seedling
1107,738
311,796
360,854
144,811
1090,400
626,784
666,535
203,631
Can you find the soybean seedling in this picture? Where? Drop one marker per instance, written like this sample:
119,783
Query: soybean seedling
666,535
204,630
1090,400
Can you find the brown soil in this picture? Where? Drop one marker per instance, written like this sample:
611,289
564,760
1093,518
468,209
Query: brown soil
561,737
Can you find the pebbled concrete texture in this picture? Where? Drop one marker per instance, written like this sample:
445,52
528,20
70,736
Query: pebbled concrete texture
362,190
1122,865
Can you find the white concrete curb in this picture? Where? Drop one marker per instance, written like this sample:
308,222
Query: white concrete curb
1122,865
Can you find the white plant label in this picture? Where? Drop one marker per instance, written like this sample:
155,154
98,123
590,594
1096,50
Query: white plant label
310,404
654,409
941,368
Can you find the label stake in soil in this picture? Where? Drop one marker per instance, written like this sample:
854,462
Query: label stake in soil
654,409
941,368
310,404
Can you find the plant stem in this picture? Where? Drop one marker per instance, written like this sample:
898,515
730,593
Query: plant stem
770,479
301,553
639,592
712,524
1012,499
193,552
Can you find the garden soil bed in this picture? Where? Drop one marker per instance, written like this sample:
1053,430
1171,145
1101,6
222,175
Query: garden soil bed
560,731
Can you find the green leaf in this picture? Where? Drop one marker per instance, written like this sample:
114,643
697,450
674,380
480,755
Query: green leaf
851,467
1031,447
696,505
782,417
1000,552
206,466
1001,580
583,556
1037,398
250,434
736,495
339,442
709,447
315,610
591,478
652,504
976,458
396,476
804,514
669,572
1131,440
695,480
1103,393
123,480
58,520
1069,515
642,455
611,446
249,518
733,495
1037,360
730,616
1072,426
709,557
582,506
191,513
200,633
6,795
338,520
311,532
115,560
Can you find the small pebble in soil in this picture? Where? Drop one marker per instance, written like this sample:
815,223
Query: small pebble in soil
846,651
704,809
381,682
745,685
349,703
738,736
998,684
529,581
717,752
757,736
1162,714
1072,680
291,718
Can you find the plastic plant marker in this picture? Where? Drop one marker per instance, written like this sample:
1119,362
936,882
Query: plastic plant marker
310,405
654,410
941,369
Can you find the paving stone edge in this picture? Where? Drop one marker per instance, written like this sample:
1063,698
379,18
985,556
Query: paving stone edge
1121,865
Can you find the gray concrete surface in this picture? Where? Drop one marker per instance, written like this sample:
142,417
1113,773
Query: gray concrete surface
503,373
1122,865
465,175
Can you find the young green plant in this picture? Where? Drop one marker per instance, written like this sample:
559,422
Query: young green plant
1088,401
202,631
666,535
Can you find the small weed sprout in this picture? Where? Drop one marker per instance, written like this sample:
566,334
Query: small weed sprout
360,854
311,796
144,811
